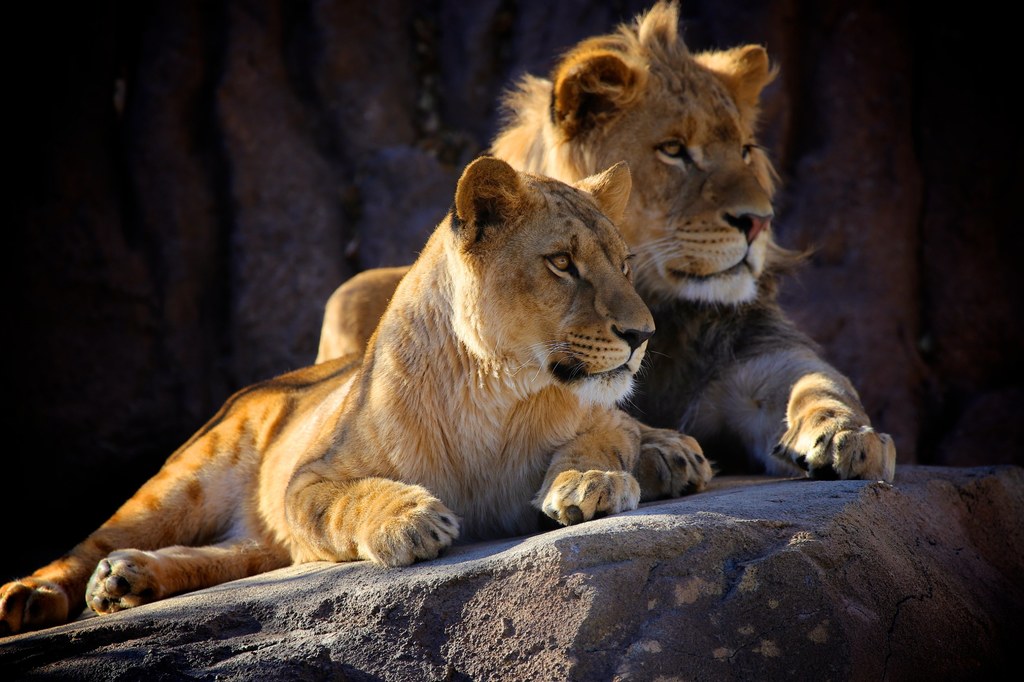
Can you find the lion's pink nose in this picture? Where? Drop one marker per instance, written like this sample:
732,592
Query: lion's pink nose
749,224
757,224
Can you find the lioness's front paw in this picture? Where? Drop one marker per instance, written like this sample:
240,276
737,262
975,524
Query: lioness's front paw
123,580
671,464
422,528
577,496
845,452
29,604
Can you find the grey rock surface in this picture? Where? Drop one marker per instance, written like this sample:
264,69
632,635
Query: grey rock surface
753,579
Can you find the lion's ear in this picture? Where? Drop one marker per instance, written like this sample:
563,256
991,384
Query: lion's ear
745,71
659,27
488,194
590,85
610,190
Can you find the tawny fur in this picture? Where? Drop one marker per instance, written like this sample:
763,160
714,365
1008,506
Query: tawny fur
726,365
485,396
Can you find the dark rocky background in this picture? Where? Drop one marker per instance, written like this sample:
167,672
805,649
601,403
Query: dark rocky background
191,180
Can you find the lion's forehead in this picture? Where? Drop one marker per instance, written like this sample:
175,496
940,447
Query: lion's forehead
698,122
694,108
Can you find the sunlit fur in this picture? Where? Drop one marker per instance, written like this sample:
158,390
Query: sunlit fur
458,421
726,365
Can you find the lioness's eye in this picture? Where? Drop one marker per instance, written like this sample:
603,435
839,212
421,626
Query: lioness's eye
674,150
560,262
625,269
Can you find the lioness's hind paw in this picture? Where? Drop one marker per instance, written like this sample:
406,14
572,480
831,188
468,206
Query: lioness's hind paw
122,581
671,464
30,604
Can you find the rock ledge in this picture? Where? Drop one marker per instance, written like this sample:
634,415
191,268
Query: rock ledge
753,579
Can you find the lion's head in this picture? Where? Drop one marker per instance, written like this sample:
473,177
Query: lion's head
699,218
541,279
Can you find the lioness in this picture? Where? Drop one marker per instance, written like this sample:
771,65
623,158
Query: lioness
727,366
487,393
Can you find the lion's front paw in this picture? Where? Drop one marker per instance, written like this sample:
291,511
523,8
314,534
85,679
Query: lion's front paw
423,528
671,464
123,580
844,452
577,496
29,604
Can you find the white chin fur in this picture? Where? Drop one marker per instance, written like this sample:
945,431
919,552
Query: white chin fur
604,390
737,288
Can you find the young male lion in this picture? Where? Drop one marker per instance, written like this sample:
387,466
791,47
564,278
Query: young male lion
726,365
487,392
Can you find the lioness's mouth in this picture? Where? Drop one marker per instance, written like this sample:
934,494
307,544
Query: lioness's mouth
568,370
572,370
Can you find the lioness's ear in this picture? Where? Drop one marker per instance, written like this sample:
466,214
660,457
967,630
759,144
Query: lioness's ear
591,84
745,71
488,194
610,190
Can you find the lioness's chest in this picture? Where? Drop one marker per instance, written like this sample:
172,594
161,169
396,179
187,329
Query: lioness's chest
489,472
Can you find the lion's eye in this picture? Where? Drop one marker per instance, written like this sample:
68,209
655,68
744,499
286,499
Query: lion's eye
625,269
747,152
674,152
561,262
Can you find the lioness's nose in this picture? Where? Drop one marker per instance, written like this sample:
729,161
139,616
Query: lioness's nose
634,337
749,224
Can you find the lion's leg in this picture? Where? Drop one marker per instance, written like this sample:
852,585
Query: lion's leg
385,521
791,410
592,474
131,577
830,436
671,464
353,311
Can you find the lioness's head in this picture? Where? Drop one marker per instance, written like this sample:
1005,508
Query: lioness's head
542,284
700,214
